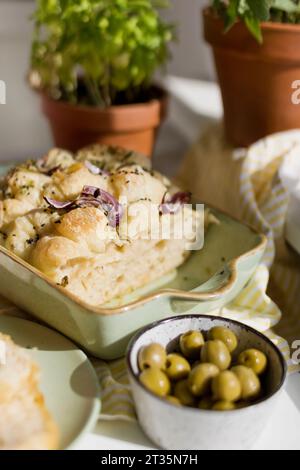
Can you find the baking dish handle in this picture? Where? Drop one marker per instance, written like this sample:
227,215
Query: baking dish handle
219,286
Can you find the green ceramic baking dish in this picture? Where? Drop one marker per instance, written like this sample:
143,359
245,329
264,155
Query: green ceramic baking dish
209,279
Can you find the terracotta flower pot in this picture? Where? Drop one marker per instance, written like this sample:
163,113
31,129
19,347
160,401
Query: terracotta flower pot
130,126
256,80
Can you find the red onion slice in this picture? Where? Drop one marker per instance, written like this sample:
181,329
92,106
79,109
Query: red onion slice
89,191
175,203
58,204
95,170
184,197
115,215
93,197
87,202
100,194
108,202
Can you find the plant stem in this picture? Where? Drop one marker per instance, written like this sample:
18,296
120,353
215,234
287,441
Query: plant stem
94,92
106,88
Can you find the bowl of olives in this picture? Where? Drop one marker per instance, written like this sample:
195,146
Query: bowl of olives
204,382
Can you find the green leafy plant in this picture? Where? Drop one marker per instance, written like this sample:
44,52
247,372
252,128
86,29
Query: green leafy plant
253,12
98,52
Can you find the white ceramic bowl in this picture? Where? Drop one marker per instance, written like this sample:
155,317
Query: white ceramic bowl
172,427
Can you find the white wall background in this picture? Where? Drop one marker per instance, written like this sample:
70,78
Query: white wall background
191,56
23,130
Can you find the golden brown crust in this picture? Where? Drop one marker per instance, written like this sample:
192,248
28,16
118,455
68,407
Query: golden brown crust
81,223
69,183
134,183
54,252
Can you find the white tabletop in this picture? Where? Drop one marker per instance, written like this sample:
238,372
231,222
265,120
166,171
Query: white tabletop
282,432
193,106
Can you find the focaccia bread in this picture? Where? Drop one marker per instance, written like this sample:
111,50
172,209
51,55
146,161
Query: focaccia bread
25,422
100,223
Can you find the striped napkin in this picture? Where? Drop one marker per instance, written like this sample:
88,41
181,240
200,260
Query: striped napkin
263,203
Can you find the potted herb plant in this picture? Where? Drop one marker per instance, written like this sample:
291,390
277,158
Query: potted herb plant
257,56
93,62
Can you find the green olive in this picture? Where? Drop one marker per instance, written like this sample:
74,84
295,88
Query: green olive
196,364
153,355
226,387
255,359
190,344
182,392
205,404
249,381
223,406
217,353
156,381
200,378
225,335
173,400
177,367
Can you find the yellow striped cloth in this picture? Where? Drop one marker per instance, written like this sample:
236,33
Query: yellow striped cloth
265,203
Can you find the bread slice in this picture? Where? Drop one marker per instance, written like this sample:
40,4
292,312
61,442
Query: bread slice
17,372
25,423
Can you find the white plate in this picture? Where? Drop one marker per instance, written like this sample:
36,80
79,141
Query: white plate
68,380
